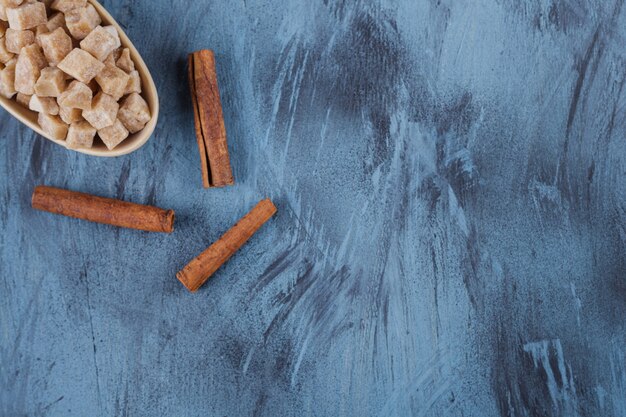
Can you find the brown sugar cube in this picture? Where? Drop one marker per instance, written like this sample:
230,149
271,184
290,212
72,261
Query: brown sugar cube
3,28
80,135
46,105
81,65
113,135
17,39
113,81
11,3
4,5
53,126
111,29
67,5
80,22
109,61
7,80
23,99
113,57
77,96
5,54
56,45
125,62
134,113
70,115
27,16
40,30
51,83
103,112
55,22
101,42
30,62
134,84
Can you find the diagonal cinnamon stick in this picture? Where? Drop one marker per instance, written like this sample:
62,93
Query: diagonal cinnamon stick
209,120
103,210
198,271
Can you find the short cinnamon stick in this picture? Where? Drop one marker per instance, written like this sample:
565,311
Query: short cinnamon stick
198,271
103,210
209,120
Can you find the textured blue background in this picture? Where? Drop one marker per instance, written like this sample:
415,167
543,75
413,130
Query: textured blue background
450,238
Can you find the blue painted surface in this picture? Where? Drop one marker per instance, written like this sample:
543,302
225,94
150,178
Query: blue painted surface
450,235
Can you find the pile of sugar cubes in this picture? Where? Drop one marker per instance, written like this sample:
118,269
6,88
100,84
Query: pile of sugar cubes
57,60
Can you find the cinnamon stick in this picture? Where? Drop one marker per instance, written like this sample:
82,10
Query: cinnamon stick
103,210
209,120
198,271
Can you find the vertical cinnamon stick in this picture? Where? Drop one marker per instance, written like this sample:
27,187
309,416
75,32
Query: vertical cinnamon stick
209,120
198,271
103,210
